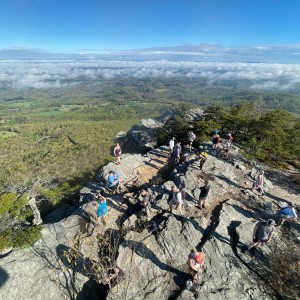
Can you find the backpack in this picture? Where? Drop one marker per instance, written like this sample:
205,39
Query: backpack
263,231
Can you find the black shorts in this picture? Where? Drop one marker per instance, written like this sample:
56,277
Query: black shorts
256,240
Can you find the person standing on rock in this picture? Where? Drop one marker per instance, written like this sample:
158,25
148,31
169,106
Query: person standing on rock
145,202
204,190
176,200
202,159
171,145
195,263
215,140
191,138
259,182
262,233
177,152
102,209
117,153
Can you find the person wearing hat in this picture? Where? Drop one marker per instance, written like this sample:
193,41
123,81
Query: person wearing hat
195,263
262,233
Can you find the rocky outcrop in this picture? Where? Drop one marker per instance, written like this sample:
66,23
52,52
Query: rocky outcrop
143,137
153,262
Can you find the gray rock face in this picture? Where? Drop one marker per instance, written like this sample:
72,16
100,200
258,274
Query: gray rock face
143,137
154,263
41,272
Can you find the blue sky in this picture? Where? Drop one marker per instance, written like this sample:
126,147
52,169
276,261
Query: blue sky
73,25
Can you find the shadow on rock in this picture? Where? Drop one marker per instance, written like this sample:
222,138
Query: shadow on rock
143,251
92,290
75,260
3,276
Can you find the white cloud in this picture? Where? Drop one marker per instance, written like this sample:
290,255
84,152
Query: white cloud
55,74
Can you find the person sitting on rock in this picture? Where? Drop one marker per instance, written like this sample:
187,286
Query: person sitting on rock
195,263
112,274
102,208
113,181
145,203
191,138
177,152
287,213
204,189
202,159
262,233
259,182
117,153
176,199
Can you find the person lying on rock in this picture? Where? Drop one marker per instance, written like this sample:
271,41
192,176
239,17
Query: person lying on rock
113,181
195,263
176,199
262,233
287,213
102,208
204,190
145,202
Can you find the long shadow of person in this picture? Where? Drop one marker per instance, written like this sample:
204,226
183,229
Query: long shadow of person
3,276
143,251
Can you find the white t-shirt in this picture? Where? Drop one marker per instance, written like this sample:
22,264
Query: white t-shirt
177,197
171,144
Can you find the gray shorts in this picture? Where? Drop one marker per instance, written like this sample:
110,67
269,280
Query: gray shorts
174,202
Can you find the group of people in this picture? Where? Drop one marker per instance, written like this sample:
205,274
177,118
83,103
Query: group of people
262,232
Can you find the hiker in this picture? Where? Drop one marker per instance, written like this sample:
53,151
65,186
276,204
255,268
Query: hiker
259,182
202,159
112,274
191,138
176,199
226,149
287,213
102,208
177,152
195,263
204,189
215,140
171,145
230,137
113,181
117,153
262,233
145,203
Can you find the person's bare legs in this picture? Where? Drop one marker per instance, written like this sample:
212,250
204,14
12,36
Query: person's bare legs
179,207
254,245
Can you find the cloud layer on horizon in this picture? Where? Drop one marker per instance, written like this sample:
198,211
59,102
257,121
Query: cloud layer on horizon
56,74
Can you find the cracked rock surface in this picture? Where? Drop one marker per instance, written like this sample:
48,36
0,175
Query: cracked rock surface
155,264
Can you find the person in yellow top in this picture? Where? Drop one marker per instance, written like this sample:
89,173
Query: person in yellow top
202,159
